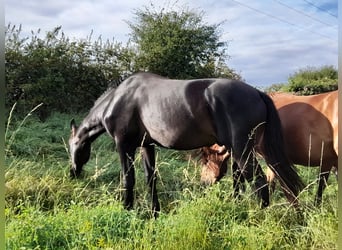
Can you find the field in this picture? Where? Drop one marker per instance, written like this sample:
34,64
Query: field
45,209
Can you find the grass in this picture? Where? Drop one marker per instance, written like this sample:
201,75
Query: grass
47,210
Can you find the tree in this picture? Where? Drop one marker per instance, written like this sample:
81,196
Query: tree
178,44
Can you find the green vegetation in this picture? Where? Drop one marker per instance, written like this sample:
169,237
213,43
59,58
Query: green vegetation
45,209
313,80
53,70
309,81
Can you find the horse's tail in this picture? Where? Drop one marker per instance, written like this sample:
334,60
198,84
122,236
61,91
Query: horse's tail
274,151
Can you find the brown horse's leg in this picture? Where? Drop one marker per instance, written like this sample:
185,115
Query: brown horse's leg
322,183
151,178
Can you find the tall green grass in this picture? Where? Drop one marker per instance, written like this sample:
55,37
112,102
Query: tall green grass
45,209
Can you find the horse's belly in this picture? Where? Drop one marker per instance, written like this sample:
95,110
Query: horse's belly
310,150
193,141
181,133
175,124
180,138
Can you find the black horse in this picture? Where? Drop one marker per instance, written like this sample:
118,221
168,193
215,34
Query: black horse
147,110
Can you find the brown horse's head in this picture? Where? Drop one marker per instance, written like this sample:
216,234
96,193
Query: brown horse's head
214,160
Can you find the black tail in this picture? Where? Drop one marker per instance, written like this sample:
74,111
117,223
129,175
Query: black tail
274,151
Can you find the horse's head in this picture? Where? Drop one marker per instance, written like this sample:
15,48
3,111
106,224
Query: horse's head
214,161
79,151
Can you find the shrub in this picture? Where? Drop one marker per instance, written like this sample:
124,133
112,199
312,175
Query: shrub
312,80
64,75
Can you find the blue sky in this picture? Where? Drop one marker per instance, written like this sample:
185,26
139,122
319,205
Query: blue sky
267,40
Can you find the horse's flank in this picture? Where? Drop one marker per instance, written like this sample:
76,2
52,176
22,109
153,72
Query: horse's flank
319,106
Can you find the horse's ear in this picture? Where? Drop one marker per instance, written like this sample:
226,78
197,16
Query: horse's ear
73,127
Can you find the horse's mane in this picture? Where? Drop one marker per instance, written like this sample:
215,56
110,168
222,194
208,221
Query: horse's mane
112,85
104,95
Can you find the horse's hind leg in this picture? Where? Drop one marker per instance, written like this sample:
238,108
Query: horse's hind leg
253,173
151,178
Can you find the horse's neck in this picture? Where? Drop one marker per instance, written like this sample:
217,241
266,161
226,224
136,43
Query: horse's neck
92,125
90,128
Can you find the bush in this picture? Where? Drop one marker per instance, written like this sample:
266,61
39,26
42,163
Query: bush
64,75
312,80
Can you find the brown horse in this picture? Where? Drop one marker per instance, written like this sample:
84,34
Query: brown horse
310,128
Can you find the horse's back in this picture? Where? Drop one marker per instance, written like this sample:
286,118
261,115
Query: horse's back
185,114
325,103
172,113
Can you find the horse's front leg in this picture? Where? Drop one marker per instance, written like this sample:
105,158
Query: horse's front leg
128,174
151,178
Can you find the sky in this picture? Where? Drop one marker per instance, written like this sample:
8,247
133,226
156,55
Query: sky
268,40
